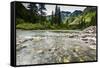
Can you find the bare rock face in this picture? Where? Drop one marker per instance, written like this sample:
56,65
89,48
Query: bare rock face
54,47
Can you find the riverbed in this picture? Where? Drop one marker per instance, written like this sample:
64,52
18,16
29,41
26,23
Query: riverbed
48,46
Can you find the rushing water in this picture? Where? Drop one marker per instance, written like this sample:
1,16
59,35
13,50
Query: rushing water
39,47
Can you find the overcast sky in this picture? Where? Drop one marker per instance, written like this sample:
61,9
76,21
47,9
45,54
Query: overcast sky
51,8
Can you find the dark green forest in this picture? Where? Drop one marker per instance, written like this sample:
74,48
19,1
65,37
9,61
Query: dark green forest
35,18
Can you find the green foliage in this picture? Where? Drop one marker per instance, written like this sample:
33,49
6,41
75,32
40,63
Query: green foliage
56,18
19,21
29,26
33,11
22,12
35,18
42,10
86,19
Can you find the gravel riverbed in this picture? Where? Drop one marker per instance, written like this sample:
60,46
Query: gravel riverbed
40,47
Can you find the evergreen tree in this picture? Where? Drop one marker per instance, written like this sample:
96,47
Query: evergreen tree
93,21
82,23
57,15
67,23
52,18
33,12
42,12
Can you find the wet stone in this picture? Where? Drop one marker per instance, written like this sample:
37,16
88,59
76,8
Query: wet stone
55,47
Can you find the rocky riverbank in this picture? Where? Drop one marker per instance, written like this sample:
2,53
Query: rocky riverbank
55,47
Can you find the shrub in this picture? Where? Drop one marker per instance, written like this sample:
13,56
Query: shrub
19,21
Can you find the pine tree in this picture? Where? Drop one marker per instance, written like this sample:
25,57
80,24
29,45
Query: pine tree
82,23
33,12
67,23
93,20
52,18
57,15
42,12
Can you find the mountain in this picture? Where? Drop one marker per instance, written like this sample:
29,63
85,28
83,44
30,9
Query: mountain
89,15
76,13
90,9
79,19
65,15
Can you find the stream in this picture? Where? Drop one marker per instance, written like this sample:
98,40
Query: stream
42,46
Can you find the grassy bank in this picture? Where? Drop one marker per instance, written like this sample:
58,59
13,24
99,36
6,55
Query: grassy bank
29,26
38,26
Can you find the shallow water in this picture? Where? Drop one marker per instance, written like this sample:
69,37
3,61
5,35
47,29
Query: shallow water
39,47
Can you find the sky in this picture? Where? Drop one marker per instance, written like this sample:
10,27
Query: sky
51,8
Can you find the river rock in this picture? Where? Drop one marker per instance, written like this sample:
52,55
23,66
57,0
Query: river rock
55,47
91,29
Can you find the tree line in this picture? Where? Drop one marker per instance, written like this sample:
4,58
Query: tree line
36,17
38,14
